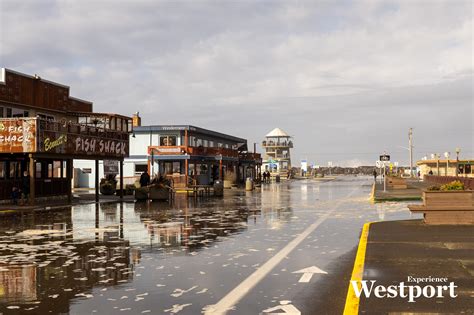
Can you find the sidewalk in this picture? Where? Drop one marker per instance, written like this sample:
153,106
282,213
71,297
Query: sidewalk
413,192
398,249
79,197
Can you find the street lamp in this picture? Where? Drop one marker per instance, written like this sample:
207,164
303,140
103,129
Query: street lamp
437,163
446,155
458,150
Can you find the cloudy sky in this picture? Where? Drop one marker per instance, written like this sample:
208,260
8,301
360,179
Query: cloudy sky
345,78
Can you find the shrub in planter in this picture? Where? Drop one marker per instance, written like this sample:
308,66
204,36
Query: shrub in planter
129,189
454,185
433,188
141,193
108,185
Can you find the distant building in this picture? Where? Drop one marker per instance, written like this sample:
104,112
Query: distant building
277,156
446,168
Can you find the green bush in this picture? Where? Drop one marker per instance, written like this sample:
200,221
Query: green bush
454,185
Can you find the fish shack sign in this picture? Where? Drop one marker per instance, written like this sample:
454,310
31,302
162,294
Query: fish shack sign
97,146
79,145
17,135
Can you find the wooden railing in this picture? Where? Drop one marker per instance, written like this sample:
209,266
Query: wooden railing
180,150
288,144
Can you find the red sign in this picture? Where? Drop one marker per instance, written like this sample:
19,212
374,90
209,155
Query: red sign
17,135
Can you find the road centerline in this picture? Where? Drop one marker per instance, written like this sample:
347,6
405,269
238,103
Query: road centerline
241,290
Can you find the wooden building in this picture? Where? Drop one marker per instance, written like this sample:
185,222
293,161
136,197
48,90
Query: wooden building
191,155
43,129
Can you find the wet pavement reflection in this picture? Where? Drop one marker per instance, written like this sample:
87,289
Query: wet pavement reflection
161,258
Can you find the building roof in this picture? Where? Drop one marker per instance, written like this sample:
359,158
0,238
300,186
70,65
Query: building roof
158,128
277,132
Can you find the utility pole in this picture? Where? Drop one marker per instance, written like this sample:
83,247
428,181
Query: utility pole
410,147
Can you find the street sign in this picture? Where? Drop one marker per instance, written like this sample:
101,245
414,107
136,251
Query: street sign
384,157
308,273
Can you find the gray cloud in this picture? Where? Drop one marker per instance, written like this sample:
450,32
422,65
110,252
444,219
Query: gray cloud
347,79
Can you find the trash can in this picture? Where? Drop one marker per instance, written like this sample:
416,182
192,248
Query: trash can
249,184
218,188
277,178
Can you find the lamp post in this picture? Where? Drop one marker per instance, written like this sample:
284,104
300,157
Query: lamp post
458,150
437,163
446,155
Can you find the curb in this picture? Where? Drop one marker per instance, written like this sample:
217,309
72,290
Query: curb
352,301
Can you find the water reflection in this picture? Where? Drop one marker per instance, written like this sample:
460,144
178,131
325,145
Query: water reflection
43,265
86,258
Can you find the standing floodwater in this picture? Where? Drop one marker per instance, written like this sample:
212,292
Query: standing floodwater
156,258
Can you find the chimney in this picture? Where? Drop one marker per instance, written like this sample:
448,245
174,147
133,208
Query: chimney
136,120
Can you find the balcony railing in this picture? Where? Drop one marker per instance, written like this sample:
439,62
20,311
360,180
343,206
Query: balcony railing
181,150
283,144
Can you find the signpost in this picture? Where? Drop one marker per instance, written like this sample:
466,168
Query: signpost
383,161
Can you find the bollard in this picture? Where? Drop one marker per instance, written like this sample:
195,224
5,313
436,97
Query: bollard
249,184
218,188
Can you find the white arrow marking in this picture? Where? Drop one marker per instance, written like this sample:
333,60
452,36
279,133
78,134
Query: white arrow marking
284,306
308,273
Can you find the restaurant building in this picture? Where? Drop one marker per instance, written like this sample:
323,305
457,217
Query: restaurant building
43,129
465,167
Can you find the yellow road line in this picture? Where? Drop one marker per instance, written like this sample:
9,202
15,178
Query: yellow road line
352,301
372,193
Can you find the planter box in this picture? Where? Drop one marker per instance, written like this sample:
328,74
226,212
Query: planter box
159,193
396,182
450,199
446,207
141,194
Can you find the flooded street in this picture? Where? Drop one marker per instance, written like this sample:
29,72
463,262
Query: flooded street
246,253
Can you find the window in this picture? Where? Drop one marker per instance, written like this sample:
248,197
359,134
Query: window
140,168
64,169
57,169
191,170
167,140
176,167
50,170
211,144
14,170
38,170
9,112
205,143
1,112
2,169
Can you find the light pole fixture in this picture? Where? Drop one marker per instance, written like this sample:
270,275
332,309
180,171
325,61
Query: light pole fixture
446,155
458,150
437,163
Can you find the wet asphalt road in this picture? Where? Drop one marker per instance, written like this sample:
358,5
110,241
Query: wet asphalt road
188,258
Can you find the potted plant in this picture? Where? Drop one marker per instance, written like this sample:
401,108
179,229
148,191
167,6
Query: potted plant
159,188
129,189
108,185
452,194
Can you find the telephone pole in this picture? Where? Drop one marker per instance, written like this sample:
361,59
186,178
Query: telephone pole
410,147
